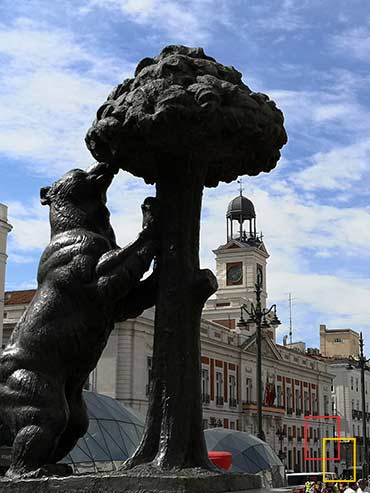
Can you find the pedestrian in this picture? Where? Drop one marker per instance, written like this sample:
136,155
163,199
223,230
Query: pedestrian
352,487
307,485
362,486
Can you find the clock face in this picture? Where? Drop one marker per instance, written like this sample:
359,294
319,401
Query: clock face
234,274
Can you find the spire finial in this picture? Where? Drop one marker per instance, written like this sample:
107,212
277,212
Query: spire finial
240,181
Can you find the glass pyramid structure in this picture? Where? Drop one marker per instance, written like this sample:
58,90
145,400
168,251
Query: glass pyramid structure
250,454
114,434
115,431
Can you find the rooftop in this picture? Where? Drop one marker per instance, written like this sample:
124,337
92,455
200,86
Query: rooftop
19,297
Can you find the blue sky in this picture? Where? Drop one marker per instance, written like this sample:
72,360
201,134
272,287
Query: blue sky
59,60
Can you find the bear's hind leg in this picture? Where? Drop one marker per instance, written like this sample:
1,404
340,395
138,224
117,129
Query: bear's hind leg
39,414
32,448
77,426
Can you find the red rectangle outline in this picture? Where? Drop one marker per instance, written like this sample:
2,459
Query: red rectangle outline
305,437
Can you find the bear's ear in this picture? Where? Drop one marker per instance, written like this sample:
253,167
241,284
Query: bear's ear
44,196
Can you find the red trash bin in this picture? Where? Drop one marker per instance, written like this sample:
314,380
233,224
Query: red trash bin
224,460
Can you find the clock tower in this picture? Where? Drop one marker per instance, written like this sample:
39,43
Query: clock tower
243,257
238,264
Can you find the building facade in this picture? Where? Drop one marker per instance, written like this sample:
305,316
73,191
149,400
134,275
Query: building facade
295,384
5,229
338,343
347,404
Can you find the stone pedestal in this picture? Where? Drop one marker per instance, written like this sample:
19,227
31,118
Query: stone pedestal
137,483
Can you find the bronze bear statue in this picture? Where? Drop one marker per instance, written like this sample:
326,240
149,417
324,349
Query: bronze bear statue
86,283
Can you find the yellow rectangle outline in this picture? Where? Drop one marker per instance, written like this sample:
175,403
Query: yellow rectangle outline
338,439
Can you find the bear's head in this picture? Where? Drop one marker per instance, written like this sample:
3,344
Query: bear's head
78,200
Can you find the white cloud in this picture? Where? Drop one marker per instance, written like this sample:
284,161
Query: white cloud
355,41
337,169
49,95
190,22
312,110
30,227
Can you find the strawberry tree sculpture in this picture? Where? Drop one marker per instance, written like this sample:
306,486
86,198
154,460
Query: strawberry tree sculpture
184,122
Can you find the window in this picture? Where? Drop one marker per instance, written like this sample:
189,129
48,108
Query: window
259,276
326,406
289,398
297,400
232,390
356,384
305,401
338,340
219,389
314,403
149,370
248,389
232,425
279,399
351,383
205,385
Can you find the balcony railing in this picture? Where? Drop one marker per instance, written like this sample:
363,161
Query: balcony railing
205,398
356,414
252,406
219,401
233,402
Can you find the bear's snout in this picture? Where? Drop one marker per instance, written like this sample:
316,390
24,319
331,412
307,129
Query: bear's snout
103,169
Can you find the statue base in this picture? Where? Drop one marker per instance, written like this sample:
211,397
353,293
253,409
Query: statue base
188,481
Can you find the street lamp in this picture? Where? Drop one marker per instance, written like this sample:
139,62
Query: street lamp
281,434
361,363
258,315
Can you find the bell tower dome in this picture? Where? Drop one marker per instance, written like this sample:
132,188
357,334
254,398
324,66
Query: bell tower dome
241,210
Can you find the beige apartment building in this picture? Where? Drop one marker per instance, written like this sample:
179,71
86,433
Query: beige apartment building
296,384
339,343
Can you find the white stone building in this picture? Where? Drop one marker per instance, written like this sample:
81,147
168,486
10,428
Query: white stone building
5,228
295,383
347,403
